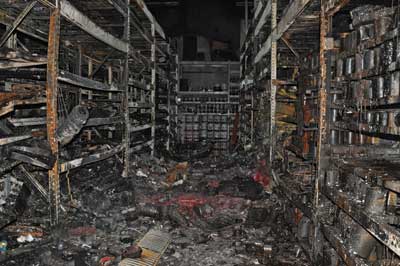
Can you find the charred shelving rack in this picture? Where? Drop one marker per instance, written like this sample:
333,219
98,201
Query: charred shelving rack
208,101
320,82
106,62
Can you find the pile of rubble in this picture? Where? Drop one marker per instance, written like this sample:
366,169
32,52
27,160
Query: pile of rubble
215,212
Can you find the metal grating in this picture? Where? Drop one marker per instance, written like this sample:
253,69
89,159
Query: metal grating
154,244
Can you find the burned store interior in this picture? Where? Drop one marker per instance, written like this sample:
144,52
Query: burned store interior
199,133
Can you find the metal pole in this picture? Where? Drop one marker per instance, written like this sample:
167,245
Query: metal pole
51,96
322,123
272,82
127,136
322,97
246,15
153,86
178,74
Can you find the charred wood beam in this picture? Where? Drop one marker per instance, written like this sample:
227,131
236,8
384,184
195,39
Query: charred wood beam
263,19
33,150
332,7
119,6
17,22
7,20
38,74
87,83
11,64
291,48
79,19
141,4
138,84
38,121
101,64
145,35
9,140
22,45
31,160
52,113
20,56
140,145
93,122
43,192
7,97
140,128
293,11
77,163
26,122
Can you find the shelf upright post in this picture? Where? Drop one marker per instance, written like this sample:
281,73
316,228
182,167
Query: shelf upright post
52,112
228,119
272,82
125,83
178,82
110,95
90,92
322,122
153,87
252,116
169,114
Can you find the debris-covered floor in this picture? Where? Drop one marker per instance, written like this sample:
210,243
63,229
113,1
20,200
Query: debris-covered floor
209,212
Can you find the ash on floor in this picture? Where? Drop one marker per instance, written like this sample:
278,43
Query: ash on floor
215,211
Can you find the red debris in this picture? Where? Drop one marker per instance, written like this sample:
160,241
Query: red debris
262,175
106,261
186,202
82,231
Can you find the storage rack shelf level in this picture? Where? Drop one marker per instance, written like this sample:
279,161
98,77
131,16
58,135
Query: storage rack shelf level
346,104
108,71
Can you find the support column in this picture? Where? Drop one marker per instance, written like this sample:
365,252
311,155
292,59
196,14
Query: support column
52,110
252,116
322,123
228,129
272,82
127,136
177,88
90,92
322,128
79,63
169,116
110,95
153,88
